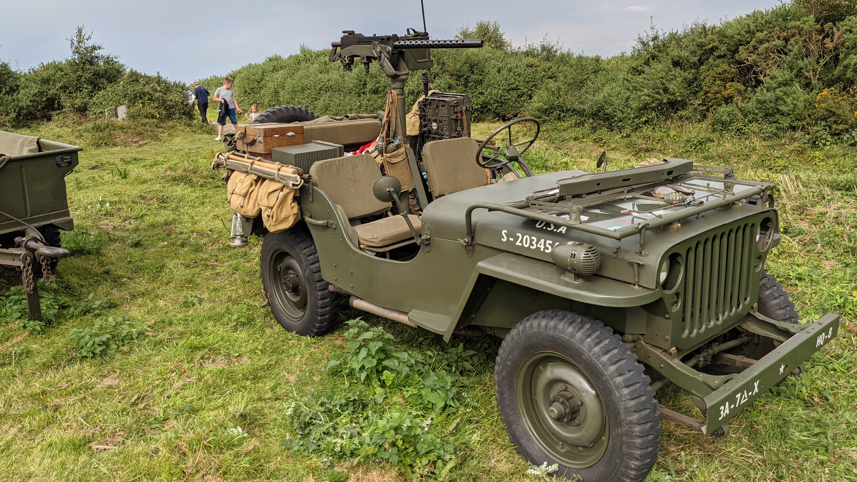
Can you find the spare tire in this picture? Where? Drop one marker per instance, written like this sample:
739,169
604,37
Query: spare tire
284,113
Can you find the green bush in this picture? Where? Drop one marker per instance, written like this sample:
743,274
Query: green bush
776,71
792,68
86,84
828,11
147,97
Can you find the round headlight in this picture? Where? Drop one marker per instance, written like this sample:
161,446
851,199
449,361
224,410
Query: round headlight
665,271
765,234
670,272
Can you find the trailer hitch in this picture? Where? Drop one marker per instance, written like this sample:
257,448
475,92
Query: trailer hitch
28,251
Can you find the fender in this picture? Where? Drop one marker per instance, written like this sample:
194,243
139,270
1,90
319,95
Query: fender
546,278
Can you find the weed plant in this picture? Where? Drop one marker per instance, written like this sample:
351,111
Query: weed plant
387,401
103,335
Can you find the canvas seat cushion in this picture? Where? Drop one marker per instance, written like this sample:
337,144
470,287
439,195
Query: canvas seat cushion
451,166
386,231
348,181
341,130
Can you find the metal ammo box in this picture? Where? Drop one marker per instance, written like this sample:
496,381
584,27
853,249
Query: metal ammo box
305,155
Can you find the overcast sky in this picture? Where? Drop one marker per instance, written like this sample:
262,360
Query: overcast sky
186,41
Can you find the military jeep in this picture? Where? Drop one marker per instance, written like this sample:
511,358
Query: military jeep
604,286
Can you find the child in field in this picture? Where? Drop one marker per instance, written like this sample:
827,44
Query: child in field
228,106
254,113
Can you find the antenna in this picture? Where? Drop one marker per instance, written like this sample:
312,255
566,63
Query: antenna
424,15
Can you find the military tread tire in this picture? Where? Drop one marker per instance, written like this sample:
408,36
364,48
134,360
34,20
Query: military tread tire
285,113
774,302
633,430
291,275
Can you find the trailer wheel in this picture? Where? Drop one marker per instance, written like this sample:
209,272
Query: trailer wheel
291,275
571,393
284,113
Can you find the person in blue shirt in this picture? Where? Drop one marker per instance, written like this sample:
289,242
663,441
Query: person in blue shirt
201,94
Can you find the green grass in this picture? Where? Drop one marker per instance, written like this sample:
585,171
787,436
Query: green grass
210,358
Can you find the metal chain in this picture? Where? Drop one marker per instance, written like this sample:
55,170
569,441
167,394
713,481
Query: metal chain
46,269
27,274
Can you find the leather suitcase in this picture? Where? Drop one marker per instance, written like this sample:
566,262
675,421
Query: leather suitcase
259,139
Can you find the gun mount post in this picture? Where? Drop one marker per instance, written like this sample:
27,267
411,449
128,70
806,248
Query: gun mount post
397,57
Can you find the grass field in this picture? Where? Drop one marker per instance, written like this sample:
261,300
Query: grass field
199,381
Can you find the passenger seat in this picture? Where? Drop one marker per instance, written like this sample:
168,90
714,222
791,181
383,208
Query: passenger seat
348,182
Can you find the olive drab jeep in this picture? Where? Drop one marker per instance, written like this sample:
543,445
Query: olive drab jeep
604,286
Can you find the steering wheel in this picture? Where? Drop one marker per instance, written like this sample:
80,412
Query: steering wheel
513,151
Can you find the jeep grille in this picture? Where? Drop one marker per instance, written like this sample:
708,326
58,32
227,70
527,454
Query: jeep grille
719,268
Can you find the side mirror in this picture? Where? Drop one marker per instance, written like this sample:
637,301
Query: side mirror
602,161
387,189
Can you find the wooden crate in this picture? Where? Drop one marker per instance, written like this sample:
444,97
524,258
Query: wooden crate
259,139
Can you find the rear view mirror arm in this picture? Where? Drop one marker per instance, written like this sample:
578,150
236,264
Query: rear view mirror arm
404,214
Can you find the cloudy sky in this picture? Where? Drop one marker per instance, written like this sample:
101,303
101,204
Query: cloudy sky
186,41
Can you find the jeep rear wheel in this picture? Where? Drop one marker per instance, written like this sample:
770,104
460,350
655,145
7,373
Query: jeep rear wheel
571,393
291,275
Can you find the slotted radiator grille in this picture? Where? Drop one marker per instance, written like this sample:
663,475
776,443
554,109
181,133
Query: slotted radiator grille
718,270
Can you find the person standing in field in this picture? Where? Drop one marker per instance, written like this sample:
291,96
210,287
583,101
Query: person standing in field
201,94
228,106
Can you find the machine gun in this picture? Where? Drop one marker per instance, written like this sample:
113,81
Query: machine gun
397,56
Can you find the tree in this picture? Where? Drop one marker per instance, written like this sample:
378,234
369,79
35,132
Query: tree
828,11
487,31
87,72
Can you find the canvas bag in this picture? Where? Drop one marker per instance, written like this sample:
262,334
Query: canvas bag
412,118
241,187
395,163
280,210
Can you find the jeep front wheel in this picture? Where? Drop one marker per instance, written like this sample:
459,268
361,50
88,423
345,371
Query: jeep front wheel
571,393
291,275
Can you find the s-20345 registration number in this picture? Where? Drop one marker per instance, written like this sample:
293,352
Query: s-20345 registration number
528,241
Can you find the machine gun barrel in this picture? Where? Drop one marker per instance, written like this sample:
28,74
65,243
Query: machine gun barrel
437,44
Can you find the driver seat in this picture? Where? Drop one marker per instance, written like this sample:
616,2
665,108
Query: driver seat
451,166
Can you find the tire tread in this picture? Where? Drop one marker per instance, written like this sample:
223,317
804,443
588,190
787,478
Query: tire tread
637,404
285,113
319,297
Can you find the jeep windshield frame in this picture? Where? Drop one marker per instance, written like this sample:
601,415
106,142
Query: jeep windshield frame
566,204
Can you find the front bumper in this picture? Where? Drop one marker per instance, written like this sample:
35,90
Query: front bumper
721,397
725,402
